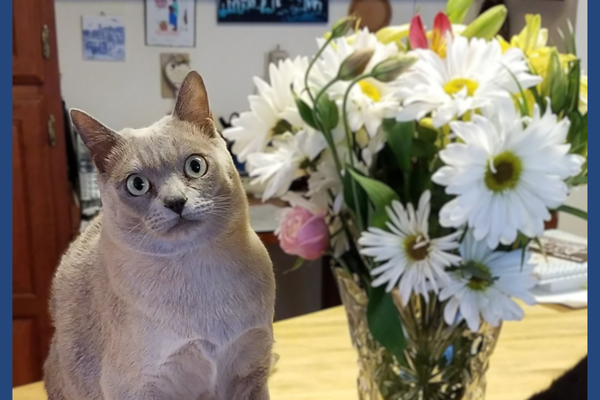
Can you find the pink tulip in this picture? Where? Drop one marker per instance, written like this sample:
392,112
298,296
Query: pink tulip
303,234
416,34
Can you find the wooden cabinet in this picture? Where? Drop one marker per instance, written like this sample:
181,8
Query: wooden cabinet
42,198
30,37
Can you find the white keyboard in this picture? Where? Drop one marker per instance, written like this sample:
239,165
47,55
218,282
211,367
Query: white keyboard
565,266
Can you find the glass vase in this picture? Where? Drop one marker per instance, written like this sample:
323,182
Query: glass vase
442,362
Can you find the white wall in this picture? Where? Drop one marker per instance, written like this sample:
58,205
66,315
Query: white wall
128,93
227,56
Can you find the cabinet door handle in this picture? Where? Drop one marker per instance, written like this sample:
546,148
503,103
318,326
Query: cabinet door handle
51,130
46,41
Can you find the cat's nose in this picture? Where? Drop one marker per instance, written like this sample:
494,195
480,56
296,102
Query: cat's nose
175,204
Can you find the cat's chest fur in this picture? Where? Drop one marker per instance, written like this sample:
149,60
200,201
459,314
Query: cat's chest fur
201,294
181,320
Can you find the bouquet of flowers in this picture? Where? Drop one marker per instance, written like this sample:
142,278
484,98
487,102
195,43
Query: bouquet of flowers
431,160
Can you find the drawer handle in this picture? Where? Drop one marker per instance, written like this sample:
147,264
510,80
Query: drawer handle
46,41
51,131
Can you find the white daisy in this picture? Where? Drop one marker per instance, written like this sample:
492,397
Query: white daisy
282,163
273,110
325,182
484,285
505,176
410,255
370,101
474,74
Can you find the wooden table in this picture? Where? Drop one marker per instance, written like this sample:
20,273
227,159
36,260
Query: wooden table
318,362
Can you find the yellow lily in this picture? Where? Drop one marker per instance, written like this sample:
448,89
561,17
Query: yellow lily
532,37
583,95
532,40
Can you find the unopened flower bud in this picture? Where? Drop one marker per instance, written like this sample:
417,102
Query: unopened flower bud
553,70
355,64
555,84
341,27
488,24
391,68
393,34
456,10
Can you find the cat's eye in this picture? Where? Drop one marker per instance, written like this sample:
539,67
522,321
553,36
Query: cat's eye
137,184
195,166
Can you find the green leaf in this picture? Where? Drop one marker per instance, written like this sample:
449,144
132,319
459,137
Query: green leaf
299,262
578,133
380,194
572,38
426,134
360,209
541,247
564,40
580,179
574,82
559,93
522,102
573,211
384,322
423,149
328,112
541,102
306,113
399,136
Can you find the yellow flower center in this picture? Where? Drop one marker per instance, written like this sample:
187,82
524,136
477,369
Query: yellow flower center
503,172
481,276
457,84
370,90
416,247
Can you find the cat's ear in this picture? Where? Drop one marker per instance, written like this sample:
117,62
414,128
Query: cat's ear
192,102
99,139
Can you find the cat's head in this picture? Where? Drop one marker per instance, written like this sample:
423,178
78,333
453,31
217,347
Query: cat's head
170,185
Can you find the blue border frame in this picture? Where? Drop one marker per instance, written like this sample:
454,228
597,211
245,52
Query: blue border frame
6,206
6,217
593,217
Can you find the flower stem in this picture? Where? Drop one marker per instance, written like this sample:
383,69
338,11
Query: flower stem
351,144
312,63
324,90
349,135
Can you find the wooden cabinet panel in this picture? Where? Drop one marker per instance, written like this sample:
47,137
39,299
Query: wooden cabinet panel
22,276
32,180
42,198
35,251
27,366
28,66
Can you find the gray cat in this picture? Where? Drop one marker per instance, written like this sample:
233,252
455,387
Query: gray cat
168,294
